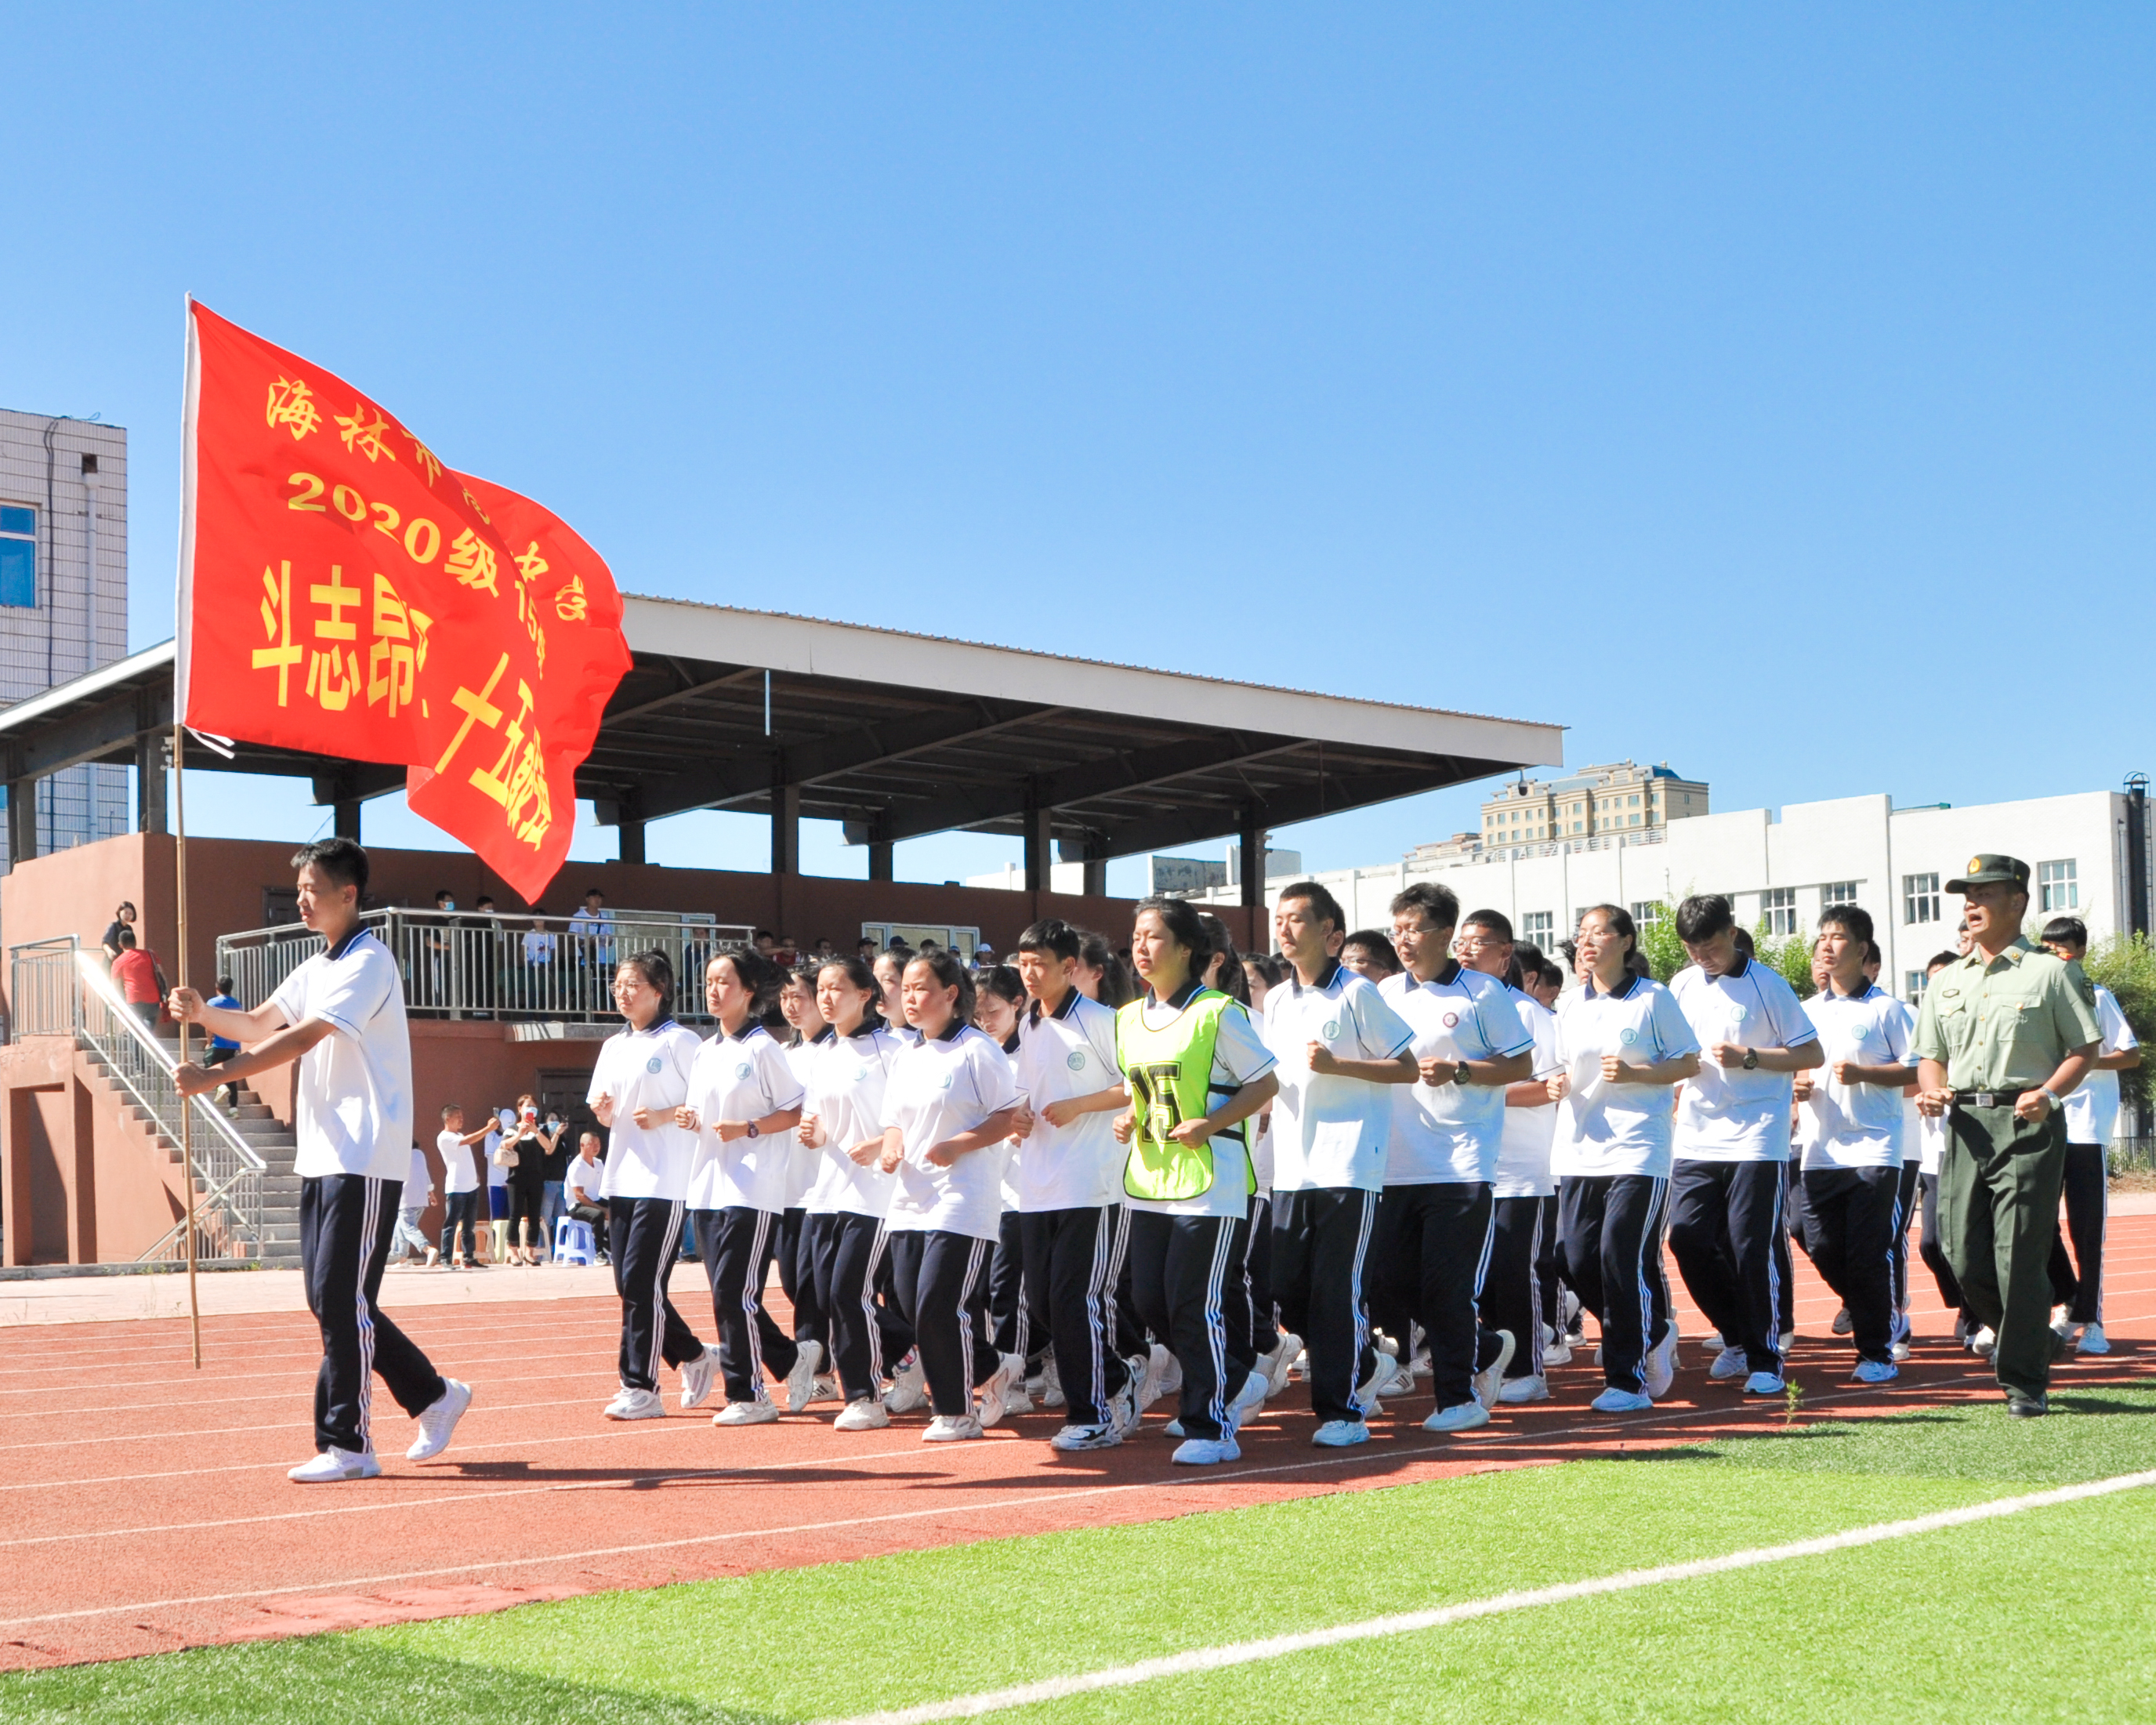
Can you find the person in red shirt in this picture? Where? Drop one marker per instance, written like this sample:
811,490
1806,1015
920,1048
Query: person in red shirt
141,983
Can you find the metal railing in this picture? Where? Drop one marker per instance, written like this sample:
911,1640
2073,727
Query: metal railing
466,964
45,989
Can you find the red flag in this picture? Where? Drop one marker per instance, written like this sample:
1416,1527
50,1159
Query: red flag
343,592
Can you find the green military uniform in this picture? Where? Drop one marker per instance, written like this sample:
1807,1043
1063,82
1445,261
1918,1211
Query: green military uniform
2000,1027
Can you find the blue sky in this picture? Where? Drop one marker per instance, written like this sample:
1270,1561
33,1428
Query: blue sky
1751,388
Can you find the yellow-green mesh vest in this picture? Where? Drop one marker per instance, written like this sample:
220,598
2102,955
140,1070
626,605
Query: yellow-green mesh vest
1170,1071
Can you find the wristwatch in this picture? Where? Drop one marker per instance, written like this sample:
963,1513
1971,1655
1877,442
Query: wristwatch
2051,1096
1460,1073
1751,1060
752,1132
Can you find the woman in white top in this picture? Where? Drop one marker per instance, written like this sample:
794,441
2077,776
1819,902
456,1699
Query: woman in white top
849,1068
998,997
641,1076
743,1105
797,1274
1625,1044
947,1112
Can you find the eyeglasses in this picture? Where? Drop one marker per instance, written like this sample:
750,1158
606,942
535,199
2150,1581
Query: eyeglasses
1476,942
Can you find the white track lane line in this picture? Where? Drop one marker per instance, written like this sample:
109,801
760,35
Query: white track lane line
302,1344
1212,1659
229,1401
1361,1455
308,1369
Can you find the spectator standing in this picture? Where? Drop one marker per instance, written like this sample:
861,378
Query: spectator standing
123,921
561,1151
411,1205
591,938
497,1188
224,1048
141,983
461,1189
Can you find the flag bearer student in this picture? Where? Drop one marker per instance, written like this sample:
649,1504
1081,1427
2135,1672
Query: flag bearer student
2091,1113
1338,1044
1196,1070
639,1079
1852,1170
1625,1042
1932,1137
2003,1037
341,1016
1436,1221
843,1120
946,1119
1068,1176
1732,1139
1518,1288
743,1105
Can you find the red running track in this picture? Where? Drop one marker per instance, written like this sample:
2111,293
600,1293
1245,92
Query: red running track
145,1508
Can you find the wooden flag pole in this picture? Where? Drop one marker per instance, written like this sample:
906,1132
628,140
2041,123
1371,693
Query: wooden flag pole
186,1104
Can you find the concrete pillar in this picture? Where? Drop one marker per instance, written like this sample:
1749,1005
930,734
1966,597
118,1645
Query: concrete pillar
785,828
150,781
1251,836
21,1213
345,818
82,1189
22,822
1038,850
628,839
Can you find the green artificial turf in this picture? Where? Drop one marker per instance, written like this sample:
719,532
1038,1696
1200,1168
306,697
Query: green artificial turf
2045,1615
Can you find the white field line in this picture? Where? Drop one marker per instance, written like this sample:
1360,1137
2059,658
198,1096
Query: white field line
307,1368
1349,1458
1211,1659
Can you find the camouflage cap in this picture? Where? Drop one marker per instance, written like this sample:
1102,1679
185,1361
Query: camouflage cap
1986,867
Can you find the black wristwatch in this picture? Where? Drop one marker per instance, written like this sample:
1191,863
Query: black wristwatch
1460,1073
752,1132
1751,1060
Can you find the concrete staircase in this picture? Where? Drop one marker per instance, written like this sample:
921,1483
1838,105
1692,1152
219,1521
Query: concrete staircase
280,1239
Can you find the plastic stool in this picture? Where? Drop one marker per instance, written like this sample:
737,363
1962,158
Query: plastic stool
574,1243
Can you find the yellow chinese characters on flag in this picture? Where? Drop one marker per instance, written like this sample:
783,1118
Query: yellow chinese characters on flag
344,593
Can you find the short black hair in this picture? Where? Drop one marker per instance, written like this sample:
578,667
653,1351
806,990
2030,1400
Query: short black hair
341,860
1744,943
126,938
224,985
1496,921
1703,916
485,898
1551,976
1939,960
1377,946
1321,902
1051,935
1852,919
1184,926
1439,904
2067,931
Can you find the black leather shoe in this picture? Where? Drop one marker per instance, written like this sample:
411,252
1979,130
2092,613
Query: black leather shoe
2026,1406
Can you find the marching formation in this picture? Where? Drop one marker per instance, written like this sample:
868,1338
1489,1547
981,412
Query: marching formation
1390,1164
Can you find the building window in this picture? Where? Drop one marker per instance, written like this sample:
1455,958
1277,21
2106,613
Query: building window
1838,892
1633,820
1539,928
1913,987
2056,889
1632,802
18,556
1646,913
1920,898
1778,905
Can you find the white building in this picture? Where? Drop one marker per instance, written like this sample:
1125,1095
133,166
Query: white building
64,595
1895,862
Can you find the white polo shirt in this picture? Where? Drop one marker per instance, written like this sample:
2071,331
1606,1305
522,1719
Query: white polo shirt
939,1088
1607,1129
1450,1132
741,1078
1727,1114
649,1070
1857,1124
351,1098
459,1171
1523,1149
2093,1105
847,1077
418,1182
1240,1057
804,1163
1068,1053
1329,1132
584,1181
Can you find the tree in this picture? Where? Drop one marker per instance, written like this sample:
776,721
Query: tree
1791,954
2126,964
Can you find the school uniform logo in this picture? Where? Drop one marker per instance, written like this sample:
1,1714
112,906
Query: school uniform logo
1628,1036
1451,1019
653,1065
1075,1061
944,1082
1331,1028
744,1070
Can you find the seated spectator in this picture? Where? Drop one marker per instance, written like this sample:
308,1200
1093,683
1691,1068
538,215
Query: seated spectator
581,1182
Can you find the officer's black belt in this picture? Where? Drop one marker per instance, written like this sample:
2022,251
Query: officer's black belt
1990,1098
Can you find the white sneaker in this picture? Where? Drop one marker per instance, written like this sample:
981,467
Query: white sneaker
1340,1435
2093,1340
1785,1341
2065,1328
1085,1437
1249,1399
1279,1363
988,1399
1844,1324
1730,1362
1614,1400
801,1381
697,1377
1712,1342
1051,1385
1122,1409
1764,1383
1366,1392
1516,1390
1899,1350
1167,1371
1464,1416
1016,1399
1206,1452
866,1415
1149,1372
1299,1367
951,1429
1173,1428
909,1387
827,1388
1875,1371
1558,1353
636,1404
1660,1368
1983,1341
1492,1377
1961,1327
437,1420
334,1463
749,1413
1568,1308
